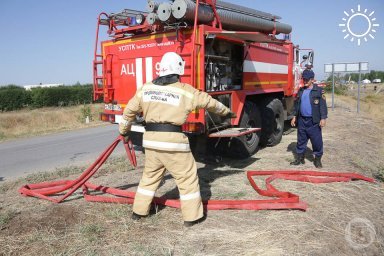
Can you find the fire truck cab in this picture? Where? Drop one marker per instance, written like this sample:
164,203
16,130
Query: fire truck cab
231,52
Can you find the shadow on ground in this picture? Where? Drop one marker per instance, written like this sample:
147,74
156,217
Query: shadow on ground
308,152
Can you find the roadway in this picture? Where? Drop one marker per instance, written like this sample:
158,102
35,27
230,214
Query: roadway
46,153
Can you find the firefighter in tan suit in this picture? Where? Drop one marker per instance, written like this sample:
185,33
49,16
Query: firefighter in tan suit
165,104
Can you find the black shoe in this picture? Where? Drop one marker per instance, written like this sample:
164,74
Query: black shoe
189,224
299,160
136,216
317,162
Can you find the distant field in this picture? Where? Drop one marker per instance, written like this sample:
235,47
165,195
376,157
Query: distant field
27,123
371,99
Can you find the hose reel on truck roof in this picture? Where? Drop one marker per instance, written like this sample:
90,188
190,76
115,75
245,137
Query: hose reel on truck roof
232,17
182,12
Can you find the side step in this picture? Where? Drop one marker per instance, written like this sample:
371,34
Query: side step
233,132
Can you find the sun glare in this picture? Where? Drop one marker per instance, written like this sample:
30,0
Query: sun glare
352,35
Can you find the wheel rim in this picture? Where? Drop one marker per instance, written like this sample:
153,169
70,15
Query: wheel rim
278,125
250,138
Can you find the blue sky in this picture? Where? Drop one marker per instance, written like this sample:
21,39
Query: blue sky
53,41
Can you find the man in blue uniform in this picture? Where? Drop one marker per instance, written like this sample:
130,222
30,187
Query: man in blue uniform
310,114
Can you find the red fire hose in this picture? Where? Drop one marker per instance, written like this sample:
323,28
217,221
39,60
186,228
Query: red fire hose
44,189
281,199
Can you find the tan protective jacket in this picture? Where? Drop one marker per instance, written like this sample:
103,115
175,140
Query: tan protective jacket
167,104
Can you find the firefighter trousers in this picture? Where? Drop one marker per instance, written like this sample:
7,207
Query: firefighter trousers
182,167
307,130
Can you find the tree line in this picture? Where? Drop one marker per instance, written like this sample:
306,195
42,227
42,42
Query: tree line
373,74
13,97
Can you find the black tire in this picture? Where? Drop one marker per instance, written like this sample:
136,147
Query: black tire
247,145
136,138
272,122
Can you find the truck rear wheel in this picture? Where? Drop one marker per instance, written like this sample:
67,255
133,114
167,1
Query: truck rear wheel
273,122
247,145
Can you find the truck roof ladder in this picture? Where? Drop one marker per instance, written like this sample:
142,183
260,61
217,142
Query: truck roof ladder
98,63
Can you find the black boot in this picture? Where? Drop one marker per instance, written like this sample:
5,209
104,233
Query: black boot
189,224
299,160
136,216
317,162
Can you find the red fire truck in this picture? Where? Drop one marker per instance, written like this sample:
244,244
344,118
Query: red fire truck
242,57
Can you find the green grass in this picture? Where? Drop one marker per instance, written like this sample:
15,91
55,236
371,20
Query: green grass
235,195
6,217
379,174
92,232
373,98
148,250
362,164
113,164
41,177
119,212
49,176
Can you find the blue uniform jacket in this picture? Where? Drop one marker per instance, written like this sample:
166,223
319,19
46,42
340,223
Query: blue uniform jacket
318,103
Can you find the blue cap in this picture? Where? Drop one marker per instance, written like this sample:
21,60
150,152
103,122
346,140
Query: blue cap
308,74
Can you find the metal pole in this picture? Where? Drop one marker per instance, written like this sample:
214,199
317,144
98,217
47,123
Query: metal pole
358,90
333,86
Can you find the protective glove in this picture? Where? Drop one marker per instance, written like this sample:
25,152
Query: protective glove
124,128
231,115
126,137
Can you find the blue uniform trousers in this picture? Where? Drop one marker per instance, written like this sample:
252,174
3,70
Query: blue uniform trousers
306,129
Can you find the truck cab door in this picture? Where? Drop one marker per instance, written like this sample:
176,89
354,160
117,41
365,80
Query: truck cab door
307,56
297,72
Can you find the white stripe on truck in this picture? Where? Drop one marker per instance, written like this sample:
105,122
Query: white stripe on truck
148,70
139,73
262,67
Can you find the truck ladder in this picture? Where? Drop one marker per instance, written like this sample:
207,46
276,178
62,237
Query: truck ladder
98,79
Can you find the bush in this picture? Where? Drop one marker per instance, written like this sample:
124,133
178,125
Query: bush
83,94
13,97
61,96
85,112
339,89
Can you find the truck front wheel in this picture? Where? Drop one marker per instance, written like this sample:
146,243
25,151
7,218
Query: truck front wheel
247,145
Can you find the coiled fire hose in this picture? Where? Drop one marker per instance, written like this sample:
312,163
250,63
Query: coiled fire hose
53,191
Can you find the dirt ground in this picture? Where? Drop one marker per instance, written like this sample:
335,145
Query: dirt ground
342,218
